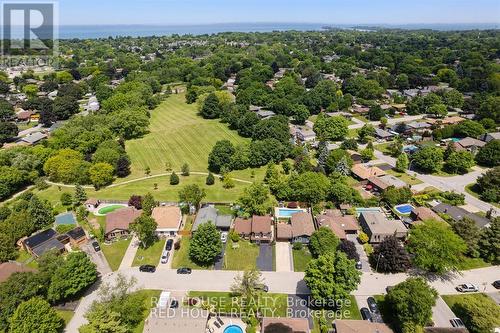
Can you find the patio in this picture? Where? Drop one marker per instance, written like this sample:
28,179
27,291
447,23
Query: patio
214,324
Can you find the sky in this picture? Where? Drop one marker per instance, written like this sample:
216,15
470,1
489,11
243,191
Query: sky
189,12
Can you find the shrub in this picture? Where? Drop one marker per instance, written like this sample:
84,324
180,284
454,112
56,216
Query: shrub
177,245
234,236
174,179
210,179
363,238
66,199
297,246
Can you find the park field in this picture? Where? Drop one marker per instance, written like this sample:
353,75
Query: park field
177,136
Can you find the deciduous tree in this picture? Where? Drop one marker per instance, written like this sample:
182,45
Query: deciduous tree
323,241
35,315
390,256
205,245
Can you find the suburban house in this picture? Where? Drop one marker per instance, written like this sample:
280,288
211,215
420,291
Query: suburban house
9,268
42,242
169,219
378,227
360,326
341,225
302,133
423,213
292,324
210,214
302,225
356,108
469,144
92,204
383,134
257,229
386,181
118,222
77,237
417,126
283,232
490,136
457,214
33,138
355,156
363,172
265,114
446,121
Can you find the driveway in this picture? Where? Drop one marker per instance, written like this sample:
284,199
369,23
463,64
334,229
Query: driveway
97,258
363,303
284,261
128,257
441,314
265,258
365,263
219,262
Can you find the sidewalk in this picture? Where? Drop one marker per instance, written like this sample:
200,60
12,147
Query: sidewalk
129,256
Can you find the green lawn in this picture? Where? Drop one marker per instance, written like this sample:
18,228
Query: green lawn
150,296
408,179
177,136
272,305
151,255
385,311
25,258
66,315
472,190
349,311
181,256
114,252
300,259
383,147
467,263
224,210
352,133
241,255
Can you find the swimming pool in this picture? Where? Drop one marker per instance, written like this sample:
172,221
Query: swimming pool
404,209
287,212
360,210
108,209
233,329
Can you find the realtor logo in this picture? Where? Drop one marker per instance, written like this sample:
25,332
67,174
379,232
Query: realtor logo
28,28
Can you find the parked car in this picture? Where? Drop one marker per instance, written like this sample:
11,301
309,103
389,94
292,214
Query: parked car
174,304
457,322
467,288
96,246
164,257
184,270
147,268
263,288
223,237
372,304
365,314
496,284
169,244
359,265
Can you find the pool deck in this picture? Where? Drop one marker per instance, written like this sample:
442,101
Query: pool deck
228,321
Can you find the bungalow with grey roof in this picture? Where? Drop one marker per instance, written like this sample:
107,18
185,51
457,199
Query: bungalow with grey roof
457,214
33,138
210,214
487,137
378,227
383,134
469,144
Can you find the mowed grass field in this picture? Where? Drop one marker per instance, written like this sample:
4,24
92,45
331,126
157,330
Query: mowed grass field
177,136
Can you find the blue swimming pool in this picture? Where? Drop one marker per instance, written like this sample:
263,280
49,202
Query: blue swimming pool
233,329
360,210
404,209
288,212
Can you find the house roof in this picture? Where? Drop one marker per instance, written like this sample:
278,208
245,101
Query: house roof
339,224
302,224
283,231
34,137
204,215
360,326
363,172
471,142
424,213
77,233
9,268
458,213
296,324
176,321
167,217
39,238
445,330
386,181
121,218
447,120
261,224
92,201
65,218
490,136
51,244
383,133
243,226
418,125
379,224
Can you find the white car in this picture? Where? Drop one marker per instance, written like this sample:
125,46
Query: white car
467,288
164,257
223,237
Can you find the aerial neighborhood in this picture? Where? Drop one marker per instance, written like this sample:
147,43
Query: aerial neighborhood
337,180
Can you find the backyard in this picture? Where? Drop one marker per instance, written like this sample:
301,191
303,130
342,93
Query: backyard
151,255
114,252
240,255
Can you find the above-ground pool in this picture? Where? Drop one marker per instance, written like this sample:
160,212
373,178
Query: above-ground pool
108,209
287,212
233,329
404,209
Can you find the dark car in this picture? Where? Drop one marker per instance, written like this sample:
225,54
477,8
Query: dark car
169,244
496,284
263,287
174,304
457,322
147,268
184,270
359,265
372,304
96,246
365,314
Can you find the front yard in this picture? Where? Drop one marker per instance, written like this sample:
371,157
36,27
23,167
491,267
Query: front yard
241,255
151,255
181,256
114,252
300,259
149,297
408,179
348,311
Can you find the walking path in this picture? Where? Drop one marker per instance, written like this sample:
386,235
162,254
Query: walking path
129,256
